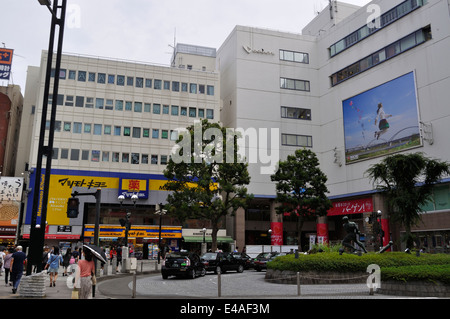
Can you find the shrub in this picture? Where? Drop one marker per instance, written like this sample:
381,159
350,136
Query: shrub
432,273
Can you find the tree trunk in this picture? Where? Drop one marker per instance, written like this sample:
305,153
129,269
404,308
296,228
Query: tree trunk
215,230
299,232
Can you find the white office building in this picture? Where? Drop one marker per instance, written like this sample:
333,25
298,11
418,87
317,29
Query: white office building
322,89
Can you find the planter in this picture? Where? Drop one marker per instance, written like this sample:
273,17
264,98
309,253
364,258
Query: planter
315,277
415,289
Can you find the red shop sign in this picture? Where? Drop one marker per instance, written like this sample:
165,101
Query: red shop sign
354,206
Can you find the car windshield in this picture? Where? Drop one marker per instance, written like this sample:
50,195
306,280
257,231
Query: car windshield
177,255
210,256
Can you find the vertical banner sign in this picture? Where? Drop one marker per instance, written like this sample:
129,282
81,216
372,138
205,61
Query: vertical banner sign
277,233
10,198
6,56
322,234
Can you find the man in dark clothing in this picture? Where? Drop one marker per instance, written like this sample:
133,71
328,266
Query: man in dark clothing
17,262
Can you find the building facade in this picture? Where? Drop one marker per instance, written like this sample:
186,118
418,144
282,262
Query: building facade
327,89
116,124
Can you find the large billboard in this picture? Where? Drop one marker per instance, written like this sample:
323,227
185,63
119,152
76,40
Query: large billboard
382,121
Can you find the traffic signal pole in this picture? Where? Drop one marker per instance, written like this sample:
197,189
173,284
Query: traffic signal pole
98,196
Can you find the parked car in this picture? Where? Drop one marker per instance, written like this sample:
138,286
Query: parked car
182,264
221,262
248,262
260,262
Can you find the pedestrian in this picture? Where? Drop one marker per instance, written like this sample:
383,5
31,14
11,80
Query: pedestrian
7,265
112,254
45,256
53,265
75,255
66,260
83,279
18,260
119,257
2,255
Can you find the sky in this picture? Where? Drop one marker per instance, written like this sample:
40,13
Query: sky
142,30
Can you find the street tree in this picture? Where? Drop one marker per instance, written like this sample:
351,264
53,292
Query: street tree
408,181
301,188
206,177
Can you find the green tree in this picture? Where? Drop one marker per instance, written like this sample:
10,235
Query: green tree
206,177
301,188
408,181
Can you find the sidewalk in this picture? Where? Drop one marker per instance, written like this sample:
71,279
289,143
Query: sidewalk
62,290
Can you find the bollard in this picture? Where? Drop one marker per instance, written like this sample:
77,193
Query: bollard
142,267
298,284
134,285
219,285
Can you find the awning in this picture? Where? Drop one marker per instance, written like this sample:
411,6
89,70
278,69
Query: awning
199,239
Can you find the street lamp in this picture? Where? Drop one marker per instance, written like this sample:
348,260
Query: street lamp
126,222
42,183
160,211
204,241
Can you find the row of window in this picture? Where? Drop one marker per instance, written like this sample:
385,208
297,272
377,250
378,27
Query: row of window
115,130
410,41
294,84
387,18
138,82
293,56
106,156
295,113
296,140
120,105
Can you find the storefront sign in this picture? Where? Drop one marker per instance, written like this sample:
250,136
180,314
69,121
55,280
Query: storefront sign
276,234
354,206
6,56
135,231
130,187
10,198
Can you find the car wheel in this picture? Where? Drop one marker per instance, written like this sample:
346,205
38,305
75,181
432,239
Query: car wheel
240,268
165,276
203,273
192,274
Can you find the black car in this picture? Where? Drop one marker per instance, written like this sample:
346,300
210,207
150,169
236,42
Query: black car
182,264
248,262
260,262
221,262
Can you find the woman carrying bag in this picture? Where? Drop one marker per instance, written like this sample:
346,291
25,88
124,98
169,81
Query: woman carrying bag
53,265
83,276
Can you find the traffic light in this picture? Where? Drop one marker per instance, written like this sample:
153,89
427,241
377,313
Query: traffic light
72,207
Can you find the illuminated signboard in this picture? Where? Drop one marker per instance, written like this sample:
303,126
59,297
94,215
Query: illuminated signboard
6,56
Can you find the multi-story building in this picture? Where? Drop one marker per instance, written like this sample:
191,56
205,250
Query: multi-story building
116,123
322,90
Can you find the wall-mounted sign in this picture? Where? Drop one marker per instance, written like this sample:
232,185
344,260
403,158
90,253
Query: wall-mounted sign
258,51
128,187
6,56
354,206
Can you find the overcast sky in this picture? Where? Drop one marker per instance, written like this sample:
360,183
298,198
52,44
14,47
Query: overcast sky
142,30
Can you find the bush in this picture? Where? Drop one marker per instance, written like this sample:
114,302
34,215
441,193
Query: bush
332,261
432,273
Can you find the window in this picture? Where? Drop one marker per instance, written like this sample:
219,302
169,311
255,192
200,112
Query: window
126,131
138,107
192,112
117,130
184,87
101,78
201,89
119,105
87,128
157,85
99,103
155,133
156,108
67,126
109,104
79,101
174,110
201,113
163,159
155,159
82,76
175,86
74,155
97,129
72,75
115,157
147,107
64,153
295,113
292,56
139,82
111,79
125,157
121,80
135,158
107,130
165,109
89,102
105,156
77,127
292,84
183,111
91,77
146,132
164,134
85,155
148,83
130,81
128,106
296,140
193,88
166,85
144,159
136,132
69,100
95,157
210,90
209,114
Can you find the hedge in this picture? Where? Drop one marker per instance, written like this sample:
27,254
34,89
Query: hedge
431,273
332,261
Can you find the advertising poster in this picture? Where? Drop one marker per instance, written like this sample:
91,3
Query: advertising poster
382,121
10,198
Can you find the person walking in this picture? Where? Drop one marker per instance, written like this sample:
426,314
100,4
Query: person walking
85,271
7,265
53,265
18,260
66,260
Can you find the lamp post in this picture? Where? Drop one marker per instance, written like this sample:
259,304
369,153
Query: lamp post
160,211
204,241
42,182
126,222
